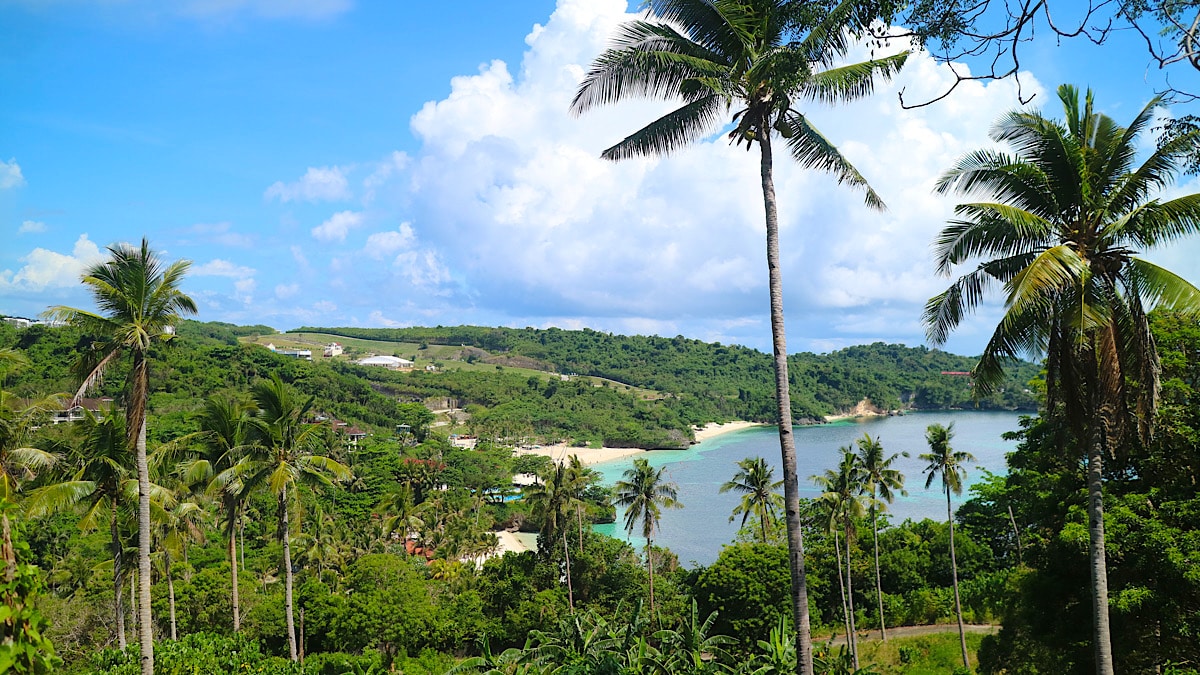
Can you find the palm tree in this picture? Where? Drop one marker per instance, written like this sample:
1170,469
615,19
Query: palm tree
176,526
1071,212
644,492
96,477
19,463
843,489
947,463
760,57
141,304
555,496
223,425
754,480
278,458
881,482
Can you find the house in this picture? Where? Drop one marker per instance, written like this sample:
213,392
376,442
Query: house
18,321
305,354
389,362
333,349
76,412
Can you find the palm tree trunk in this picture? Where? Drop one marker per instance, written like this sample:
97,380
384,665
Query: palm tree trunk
287,576
787,443
145,621
650,569
878,579
118,606
171,598
567,555
852,638
233,569
962,634
1099,568
10,556
837,547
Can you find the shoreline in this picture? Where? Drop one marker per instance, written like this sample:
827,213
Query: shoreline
561,452
714,429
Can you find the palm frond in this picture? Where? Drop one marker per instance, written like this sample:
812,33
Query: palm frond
813,151
851,82
670,132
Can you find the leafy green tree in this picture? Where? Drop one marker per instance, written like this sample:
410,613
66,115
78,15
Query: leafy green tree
141,304
19,463
644,492
881,482
1071,212
842,497
762,57
946,464
754,480
278,459
747,587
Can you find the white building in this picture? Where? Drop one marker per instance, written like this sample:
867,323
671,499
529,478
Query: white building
389,362
333,349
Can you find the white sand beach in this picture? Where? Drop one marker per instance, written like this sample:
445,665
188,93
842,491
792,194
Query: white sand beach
714,429
561,452
517,542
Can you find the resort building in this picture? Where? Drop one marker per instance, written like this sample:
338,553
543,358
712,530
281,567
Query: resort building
333,349
389,362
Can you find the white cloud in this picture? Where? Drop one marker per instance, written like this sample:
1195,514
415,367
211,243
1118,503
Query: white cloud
45,269
298,256
318,184
325,306
338,226
31,226
285,291
223,268
10,175
378,319
384,172
384,244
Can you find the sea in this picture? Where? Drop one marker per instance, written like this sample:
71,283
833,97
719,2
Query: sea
697,531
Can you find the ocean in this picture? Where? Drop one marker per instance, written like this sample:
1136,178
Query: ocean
697,531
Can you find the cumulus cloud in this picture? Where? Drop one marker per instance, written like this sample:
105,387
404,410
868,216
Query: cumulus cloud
338,226
222,268
286,291
45,269
31,226
10,175
537,224
385,244
318,184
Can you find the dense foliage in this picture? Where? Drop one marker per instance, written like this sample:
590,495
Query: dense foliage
718,381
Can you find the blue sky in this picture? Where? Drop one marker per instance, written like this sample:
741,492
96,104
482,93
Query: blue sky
331,162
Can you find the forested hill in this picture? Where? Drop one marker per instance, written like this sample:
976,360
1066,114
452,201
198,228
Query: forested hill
730,381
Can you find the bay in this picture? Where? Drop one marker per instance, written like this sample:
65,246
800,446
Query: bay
697,531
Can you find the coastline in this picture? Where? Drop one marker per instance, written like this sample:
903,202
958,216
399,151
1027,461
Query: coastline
714,429
561,452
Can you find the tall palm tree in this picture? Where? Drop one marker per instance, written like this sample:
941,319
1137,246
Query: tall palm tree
278,458
754,480
880,482
96,477
175,528
843,489
555,496
644,492
19,463
1070,213
223,424
757,59
140,304
947,463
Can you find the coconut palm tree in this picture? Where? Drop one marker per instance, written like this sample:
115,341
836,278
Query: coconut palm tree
842,496
880,482
754,480
223,424
554,497
174,528
947,463
644,492
140,304
757,59
19,463
96,477
1068,215
278,458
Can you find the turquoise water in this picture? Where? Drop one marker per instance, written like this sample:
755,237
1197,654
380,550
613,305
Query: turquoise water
698,530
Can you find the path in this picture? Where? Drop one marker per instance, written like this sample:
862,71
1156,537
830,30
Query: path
913,631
